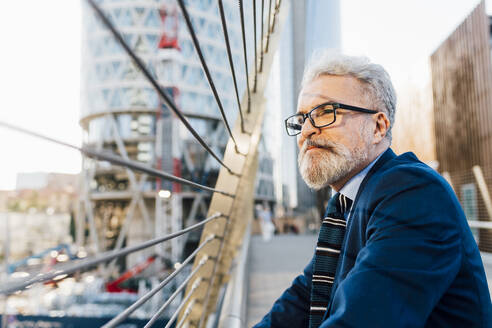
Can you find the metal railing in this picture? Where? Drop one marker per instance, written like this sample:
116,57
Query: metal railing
231,206
233,314
472,189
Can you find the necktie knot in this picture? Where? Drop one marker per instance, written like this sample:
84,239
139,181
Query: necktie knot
338,205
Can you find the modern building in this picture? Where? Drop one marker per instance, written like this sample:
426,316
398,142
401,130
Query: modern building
462,94
311,25
122,114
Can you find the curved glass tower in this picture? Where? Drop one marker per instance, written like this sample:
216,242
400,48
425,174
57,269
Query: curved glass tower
122,114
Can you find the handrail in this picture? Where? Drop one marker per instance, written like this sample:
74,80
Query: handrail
234,313
70,268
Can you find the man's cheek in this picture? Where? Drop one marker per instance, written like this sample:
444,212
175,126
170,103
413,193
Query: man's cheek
300,141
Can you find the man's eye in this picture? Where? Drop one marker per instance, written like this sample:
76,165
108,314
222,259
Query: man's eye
294,126
322,112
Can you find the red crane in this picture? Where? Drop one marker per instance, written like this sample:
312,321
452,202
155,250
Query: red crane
169,17
113,286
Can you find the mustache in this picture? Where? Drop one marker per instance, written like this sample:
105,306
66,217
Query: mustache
322,143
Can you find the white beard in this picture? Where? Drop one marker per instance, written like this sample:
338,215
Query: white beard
322,167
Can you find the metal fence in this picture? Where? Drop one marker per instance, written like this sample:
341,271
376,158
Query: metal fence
472,189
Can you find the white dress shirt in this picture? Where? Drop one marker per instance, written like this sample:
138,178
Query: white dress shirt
352,186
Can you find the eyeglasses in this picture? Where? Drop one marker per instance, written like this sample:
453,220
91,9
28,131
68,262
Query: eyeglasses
320,116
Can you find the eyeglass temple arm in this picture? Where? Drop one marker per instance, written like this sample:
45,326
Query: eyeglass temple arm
358,109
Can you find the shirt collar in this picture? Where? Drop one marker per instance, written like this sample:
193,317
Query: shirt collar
351,188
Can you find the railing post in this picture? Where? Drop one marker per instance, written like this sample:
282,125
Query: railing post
233,313
482,186
447,177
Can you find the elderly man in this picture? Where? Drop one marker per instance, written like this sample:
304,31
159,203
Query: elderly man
394,248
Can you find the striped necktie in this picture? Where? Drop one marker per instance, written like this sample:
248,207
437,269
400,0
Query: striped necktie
330,241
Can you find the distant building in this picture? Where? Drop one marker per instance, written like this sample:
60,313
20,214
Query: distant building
44,180
462,94
40,213
27,232
35,180
311,25
414,112
41,192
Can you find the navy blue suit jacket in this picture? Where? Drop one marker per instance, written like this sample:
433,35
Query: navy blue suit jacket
408,259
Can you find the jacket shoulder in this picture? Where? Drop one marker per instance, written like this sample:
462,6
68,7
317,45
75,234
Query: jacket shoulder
406,192
405,172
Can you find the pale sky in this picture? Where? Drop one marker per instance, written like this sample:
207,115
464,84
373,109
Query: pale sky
39,83
401,34
40,66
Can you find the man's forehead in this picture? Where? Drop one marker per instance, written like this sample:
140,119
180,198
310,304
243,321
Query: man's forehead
315,96
329,88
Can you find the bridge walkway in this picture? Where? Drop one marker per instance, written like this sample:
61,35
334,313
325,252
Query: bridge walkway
273,265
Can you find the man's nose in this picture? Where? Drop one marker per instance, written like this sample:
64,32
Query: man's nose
308,129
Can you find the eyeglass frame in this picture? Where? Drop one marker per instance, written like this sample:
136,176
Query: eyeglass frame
335,107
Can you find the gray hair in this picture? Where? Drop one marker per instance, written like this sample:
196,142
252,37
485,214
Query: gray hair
373,76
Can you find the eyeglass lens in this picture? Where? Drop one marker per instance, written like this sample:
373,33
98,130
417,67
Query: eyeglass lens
321,116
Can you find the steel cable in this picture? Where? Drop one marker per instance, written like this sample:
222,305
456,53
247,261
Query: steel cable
70,268
173,296
183,302
186,313
256,55
163,95
269,25
199,52
261,37
241,11
151,171
231,63
277,8
128,311
118,160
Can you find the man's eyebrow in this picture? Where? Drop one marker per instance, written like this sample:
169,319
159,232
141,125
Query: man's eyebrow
319,95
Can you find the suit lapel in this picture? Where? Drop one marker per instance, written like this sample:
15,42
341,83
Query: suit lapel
387,156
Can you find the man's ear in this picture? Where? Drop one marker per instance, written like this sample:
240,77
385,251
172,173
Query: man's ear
382,126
